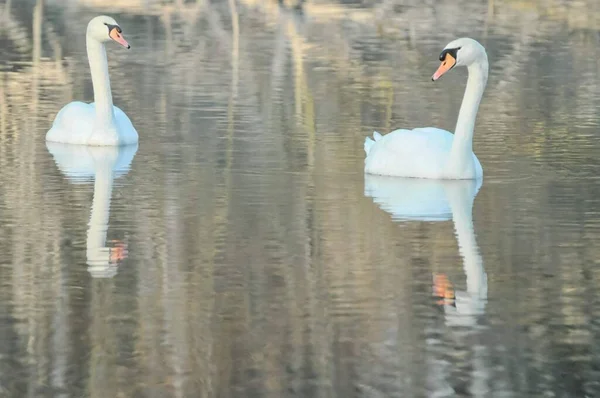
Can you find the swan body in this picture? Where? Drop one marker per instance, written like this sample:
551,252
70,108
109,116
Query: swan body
430,152
419,153
75,124
102,165
99,123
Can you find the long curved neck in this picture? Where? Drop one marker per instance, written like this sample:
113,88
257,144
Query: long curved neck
101,82
461,161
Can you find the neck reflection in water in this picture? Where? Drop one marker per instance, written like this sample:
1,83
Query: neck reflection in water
410,199
83,164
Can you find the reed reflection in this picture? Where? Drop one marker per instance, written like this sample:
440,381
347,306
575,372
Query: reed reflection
81,164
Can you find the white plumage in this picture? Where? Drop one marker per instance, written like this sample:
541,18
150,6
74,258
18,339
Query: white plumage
431,152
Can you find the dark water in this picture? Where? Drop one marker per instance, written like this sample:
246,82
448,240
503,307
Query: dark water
239,251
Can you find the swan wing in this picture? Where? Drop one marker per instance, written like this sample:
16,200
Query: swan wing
419,153
73,124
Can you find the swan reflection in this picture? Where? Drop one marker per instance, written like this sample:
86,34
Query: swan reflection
440,200
81,164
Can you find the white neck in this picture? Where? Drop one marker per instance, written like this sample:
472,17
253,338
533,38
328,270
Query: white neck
461,195
101,82
461,158
97,253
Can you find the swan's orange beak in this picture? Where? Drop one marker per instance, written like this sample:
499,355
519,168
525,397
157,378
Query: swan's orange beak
115,34
447,64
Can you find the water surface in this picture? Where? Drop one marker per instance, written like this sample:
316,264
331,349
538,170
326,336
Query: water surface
239,251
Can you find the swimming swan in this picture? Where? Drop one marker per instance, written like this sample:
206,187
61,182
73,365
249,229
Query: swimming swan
431,152
98,123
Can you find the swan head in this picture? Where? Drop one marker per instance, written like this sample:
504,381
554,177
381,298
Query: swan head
104,28
459,52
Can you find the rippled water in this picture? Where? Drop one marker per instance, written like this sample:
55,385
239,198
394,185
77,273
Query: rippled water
239,251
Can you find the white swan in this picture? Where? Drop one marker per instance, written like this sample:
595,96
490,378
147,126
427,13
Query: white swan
430,200
103,164
98,123
431,152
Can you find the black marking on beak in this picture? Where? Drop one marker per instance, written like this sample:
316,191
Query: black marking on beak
111,27
451,51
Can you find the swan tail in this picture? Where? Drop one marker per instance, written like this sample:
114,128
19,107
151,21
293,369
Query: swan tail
370,142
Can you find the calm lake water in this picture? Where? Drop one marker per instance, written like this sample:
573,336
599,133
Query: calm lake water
239,251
